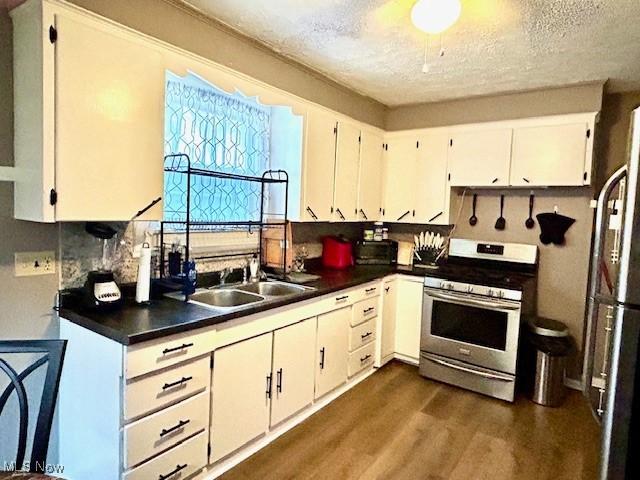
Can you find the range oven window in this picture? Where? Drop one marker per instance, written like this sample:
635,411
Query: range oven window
477,326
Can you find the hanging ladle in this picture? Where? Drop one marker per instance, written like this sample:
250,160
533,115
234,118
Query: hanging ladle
473,219
530,222
501,223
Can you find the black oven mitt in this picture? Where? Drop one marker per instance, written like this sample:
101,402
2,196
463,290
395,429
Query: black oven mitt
553,227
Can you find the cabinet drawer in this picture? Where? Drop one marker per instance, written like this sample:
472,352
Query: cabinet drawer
162,430
169,386
361,358
157,354
362,334
179,462
364,310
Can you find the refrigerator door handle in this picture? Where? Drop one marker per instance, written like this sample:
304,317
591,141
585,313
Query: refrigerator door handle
595,280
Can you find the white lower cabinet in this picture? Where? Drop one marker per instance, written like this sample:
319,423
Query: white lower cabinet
408,317
159,432
293,368
332,350
361,359
388,331
180,462
240,394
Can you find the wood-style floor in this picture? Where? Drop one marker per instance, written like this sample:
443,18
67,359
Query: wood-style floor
398,425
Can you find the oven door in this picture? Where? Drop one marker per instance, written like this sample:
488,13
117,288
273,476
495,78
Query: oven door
476,330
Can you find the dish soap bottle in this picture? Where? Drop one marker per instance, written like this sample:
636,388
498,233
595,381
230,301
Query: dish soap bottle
254,265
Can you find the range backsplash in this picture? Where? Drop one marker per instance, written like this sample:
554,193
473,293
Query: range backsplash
81,252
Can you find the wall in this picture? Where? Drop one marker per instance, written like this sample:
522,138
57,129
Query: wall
613,133
574,99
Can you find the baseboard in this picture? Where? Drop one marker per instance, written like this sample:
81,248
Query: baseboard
224,465
406,359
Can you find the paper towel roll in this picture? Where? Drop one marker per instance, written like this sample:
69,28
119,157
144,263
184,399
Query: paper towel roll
144,274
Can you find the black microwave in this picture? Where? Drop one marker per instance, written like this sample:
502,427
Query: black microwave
383,252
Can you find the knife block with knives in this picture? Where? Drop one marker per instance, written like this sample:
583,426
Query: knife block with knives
428,248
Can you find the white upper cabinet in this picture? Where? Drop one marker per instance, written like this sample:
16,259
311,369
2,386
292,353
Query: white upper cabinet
480,158
319,165
551,155
400,176
346,176
92,139
370,184
432,191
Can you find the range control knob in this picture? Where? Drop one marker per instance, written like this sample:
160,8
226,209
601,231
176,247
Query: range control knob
490,292
470,289
443,285
451,286
500,294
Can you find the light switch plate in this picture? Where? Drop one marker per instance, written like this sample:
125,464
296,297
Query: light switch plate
35,263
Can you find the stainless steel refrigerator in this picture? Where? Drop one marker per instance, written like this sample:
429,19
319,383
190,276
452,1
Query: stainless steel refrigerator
611,375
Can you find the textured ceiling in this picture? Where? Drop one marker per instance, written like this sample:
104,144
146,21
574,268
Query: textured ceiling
497,46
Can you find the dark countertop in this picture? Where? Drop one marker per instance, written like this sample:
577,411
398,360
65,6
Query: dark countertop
134,323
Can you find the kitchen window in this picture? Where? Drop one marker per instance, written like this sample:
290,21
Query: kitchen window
221,132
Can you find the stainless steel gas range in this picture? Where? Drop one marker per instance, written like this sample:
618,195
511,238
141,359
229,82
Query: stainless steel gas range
471,314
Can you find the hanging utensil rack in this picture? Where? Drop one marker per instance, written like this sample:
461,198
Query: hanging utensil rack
181,163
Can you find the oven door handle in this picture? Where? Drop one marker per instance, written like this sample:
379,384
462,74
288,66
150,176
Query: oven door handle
473,301
444,363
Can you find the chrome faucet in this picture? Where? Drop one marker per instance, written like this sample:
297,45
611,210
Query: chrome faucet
224,274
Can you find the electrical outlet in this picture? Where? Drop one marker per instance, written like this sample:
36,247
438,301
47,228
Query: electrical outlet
35,263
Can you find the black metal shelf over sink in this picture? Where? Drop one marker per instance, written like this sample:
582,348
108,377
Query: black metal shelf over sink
196,211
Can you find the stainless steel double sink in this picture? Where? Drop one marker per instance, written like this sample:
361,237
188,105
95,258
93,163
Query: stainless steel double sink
229,298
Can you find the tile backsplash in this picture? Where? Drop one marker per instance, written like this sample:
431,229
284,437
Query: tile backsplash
81,252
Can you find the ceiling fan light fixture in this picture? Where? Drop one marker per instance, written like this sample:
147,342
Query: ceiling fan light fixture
435,16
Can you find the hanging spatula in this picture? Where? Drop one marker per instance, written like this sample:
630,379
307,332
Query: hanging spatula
501,223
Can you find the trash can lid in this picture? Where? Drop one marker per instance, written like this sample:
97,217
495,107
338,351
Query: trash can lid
547,327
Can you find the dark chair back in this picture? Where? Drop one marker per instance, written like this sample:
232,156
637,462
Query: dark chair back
52,356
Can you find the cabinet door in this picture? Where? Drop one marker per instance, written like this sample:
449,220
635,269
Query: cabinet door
408,317
240,396
332,350
347,166
370,184
109,115
319,166
388,334
432,190
293,369
480,158
399,189
551,155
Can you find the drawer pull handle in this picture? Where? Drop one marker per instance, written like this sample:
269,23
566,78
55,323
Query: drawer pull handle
182,381
366,335
322,358
368,310
365,358
178,468
341,299
176,349
177,426
370,290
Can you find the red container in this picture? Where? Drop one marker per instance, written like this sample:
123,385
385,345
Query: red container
337,252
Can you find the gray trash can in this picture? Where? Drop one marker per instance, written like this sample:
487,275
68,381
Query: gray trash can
551,345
